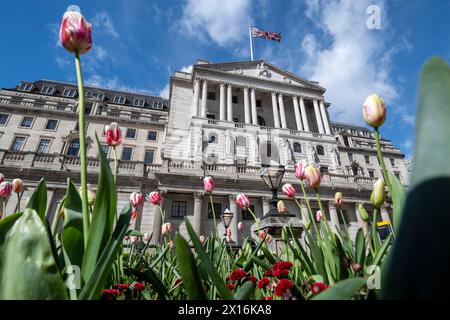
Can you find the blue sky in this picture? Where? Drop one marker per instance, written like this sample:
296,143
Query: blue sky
138,44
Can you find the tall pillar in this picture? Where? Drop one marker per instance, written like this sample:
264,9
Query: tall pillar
246,107
361,223
276,117
197,217
318,117
253,100
303,114
204,98
266,204
282,113
229,103
222,108
196,96
157,220
234,222
323,111
334,219
298,121
385,214
304,212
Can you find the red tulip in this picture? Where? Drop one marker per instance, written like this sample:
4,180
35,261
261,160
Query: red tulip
5,189
238,274
113,134
288,190
318,287
242,201
208,184
17,185
312,176
155,197
75,32
300,169
264,282
283,286
136,199
138,286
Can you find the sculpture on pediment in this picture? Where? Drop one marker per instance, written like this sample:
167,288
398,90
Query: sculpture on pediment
287,80
263,70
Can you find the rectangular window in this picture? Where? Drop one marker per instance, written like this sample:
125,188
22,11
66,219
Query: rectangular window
88,109
234,99
217,210
69,93
131,133
26,122
139,102
158,105
44,145
371,174
3,119
149,155
18,143
324,170
258,104
246,215
119,99
51,124
211,95
47,90
367,158
210,116
95,95
152,136
25,86
178,209
105,148
392,160
350,157
127,152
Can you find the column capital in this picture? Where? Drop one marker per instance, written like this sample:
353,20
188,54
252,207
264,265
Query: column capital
331,205
232,197
198,196
222,83
274,93
201,78
245,88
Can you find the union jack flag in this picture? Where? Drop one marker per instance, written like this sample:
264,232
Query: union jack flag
276,36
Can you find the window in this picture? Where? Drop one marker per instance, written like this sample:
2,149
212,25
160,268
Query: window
74,147
355,170
18,143
88,109
95,95
297,147
47,90
139,102
346,143
178,209
234,99
149,155
212,139
320,150
26,122
131,133
26,86
152,135
51,124
211,95
217,210
392,160
324,170
69,92
246,215
350,157
44,145
119,99
371,174
210,116
3,118
367,159
235,119
127,153
155,118
105,149
261,121
158,105
258,104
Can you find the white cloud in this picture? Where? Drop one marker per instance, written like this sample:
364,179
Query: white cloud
164,93
187,69
103,22
407,144
408,119
225,22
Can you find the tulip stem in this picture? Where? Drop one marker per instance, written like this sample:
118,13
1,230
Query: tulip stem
323,213
313,221
5,202
381,160
82,135
301,211
19,198
214,215
115,164
256,220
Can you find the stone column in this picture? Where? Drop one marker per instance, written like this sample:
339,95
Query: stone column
384,213
223,112
253,100
229,103
247,107
197,217
266,204
318,117
334,219
234,222
323,111
298,121
362,224
196,96
303,114
204,98
276,117
304,212
282,113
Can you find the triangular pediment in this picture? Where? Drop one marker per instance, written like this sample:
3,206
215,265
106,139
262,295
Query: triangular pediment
260,69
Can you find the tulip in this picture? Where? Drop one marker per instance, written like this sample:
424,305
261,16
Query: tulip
90,194
171,244
208,184
374,111
318,287
75,33
155,197
228,232
202,239
5,189
113,134
228,239
338,199
17,185
136,199
166,228
134,215
126,238
242,201
146,236
312,176
288,190
318,216
300,169
133,239
281,206
363,213
241,226
308,225
2,177
378,194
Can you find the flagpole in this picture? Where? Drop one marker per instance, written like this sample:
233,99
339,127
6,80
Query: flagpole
251,42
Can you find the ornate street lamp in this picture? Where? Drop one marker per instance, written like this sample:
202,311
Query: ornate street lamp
272,174
226,217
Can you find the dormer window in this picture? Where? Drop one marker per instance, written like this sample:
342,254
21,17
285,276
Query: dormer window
139,102
95,95
69,92
47,90
25,86
119,100
158,105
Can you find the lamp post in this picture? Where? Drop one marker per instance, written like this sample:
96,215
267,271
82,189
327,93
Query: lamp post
226,217
272,174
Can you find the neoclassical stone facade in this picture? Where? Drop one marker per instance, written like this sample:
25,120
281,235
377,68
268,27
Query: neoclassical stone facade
224,119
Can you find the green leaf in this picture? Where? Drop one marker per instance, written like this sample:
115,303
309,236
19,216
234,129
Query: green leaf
151,277
29,270
245,291
188,270
342,290
73,199
398,198
261,263
72,237
38,199
96,282
316,255
381,252
360,246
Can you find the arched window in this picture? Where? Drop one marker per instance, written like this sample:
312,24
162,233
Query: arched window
261,121
320,151
297,147
74,147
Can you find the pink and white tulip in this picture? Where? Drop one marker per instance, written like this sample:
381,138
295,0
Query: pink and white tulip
318,216
2,177
312,176
133,239
208,184
242,201
166,228
241,226
288,190
5,189
202,239
136,199
374,111
155,197
75,34
146,236
300,169
113,134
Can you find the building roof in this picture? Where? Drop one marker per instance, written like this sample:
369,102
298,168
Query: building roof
106,94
